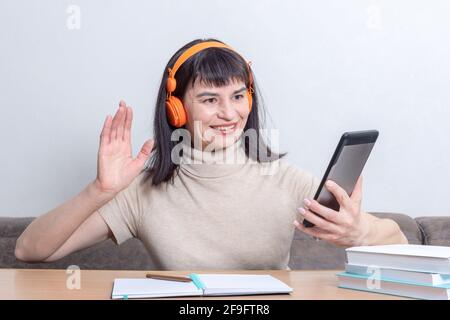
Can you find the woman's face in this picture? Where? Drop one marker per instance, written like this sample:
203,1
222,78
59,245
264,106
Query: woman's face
216,116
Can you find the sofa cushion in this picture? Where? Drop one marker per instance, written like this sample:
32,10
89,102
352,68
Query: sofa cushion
436,230
106,255
308,254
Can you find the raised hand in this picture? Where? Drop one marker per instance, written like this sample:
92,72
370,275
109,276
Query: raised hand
116,168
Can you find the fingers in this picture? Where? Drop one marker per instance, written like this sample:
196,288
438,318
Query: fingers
145,152
128,121
106,131
318,221
314,232
114,125
327,213
357,191
340,194
120,123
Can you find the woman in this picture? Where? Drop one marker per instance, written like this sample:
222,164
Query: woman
191,209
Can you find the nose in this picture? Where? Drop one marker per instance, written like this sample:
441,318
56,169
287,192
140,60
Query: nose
227,111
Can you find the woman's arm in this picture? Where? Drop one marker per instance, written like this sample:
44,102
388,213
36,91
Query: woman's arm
93,230
382,231
73,225
350,226
46,234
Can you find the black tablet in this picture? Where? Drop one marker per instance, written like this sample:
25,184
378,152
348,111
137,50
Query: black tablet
345,166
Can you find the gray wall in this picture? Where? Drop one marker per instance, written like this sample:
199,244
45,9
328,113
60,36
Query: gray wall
324,67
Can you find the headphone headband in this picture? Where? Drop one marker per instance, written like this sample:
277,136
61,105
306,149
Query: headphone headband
193,50
196,49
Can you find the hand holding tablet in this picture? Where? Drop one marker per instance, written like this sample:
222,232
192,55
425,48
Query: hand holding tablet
335,214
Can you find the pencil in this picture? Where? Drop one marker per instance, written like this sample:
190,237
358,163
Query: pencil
169,278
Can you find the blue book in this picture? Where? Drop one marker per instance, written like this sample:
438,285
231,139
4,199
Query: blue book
399,274
379,284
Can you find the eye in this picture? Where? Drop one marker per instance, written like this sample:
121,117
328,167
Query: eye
209,100
239,96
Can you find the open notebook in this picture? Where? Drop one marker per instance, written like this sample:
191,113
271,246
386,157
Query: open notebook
201,285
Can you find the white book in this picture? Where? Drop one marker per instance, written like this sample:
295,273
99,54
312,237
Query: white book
394,287
400,275
432,259
202,285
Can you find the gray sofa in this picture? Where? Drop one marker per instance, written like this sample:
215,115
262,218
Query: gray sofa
306,253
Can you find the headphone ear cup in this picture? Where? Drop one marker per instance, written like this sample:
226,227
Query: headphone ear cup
250,99
176,114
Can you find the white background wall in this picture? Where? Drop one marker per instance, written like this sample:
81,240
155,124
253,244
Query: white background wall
324,67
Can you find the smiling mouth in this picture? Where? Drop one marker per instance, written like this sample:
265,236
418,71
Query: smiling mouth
225,129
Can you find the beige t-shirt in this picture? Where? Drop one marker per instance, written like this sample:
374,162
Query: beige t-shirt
230,215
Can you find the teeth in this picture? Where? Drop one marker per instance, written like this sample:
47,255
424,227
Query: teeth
225,128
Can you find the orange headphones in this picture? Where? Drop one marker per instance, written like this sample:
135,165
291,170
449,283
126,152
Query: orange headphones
176,113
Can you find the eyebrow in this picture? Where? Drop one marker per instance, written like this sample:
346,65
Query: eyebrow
208,93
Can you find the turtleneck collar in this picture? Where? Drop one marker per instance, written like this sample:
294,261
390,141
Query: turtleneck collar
213,164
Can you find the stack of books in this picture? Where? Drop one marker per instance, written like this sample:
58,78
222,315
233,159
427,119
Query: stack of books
415,271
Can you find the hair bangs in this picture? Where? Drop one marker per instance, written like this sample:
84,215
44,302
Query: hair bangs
219,67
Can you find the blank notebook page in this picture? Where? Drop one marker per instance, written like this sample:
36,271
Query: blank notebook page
153,288
242,283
